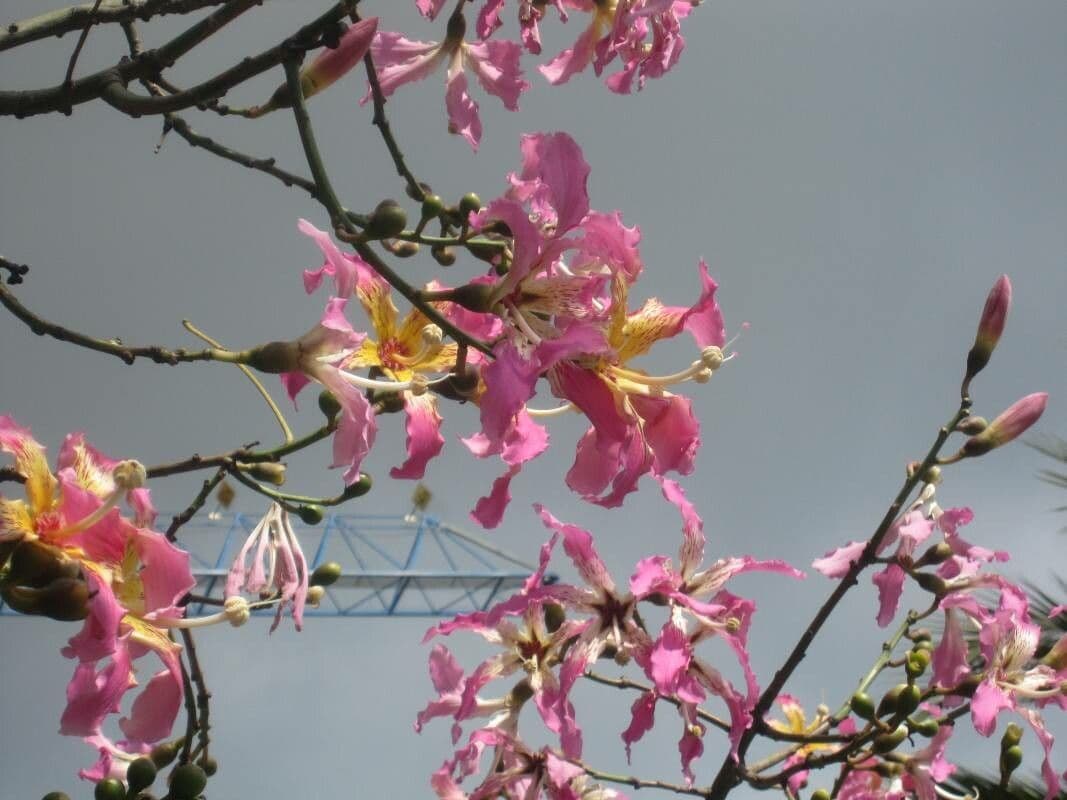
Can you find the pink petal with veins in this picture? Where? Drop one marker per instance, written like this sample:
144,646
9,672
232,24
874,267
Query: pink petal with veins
424,439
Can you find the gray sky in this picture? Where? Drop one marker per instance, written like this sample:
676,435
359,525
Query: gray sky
856,175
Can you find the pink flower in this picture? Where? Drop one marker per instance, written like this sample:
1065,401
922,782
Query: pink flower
1013,422
990,326
494,63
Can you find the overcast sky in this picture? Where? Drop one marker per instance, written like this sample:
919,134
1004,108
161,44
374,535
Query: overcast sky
856,174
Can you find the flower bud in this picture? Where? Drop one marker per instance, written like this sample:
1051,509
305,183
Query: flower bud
972,425
310,514
328,404
403,249
187,781
56,796
887,742
359,487
990,326
935,554
1013,734
266,471
1012,423
1010,759
209,765
469,204
432,206
140,774
325,574
443,255
36,564
164,754
386,221
555,616
916,663
932,475
820,794
109,789
275,357
901,700
924,727
931,583
862,705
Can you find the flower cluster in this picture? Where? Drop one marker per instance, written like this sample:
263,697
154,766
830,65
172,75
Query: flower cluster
552,633
70,554
555,306
642,36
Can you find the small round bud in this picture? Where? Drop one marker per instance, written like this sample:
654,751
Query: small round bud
1013,734
887,742
109,789
56,796
916,663
386,221
924,727
972,425
1010,760
422,191
820,794
432,206
266,471
932,475
483,251
555,616
209,765
404,249
935,554
140,774
359,487
129,474
468,204
187,781
325,574
931,583
315,595
862,705
310,514
328,404
164,754
908,697
443,255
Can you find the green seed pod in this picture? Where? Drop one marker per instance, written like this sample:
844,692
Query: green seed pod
325,574
267,471
386,221
310,514
64,599
924,727
931,583
935,554
275,357
820,794
187,781
862,705
140,774
164,754
888,704
909,698
887,742
328,404
36,564
1010,760
109,789
209,765
473,296
359,487
469,203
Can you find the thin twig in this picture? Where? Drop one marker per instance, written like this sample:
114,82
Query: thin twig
626,683
637,783
339,218
198,502
286,430
114,347
192,723
203,696
81,43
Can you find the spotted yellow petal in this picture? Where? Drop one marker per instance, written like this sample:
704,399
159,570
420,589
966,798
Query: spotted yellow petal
646,326
378,303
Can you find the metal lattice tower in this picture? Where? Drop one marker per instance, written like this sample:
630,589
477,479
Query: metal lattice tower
411,566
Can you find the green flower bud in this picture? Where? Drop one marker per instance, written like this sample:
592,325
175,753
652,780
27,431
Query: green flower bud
1013,734
862,705
931,583
140,774
935,554
328,404
924,727
1010,760
902,699
325,574
164,754
275,357
443,255
310,514
916,663
109,789
404,249
473,296
359,487
972,425
56,796
469,203
887,742
64,599
209,765
266,471
433,206
386,221
820,794
187,781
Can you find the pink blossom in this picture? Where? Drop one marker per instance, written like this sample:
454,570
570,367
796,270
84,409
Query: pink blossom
1010,424
494,63
990,325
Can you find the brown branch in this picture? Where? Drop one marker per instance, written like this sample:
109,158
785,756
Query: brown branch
16,272
66,20
626,683
11,474
203,696
112,81
114,347
198,502
81,43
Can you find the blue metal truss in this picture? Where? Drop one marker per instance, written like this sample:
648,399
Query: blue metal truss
392,566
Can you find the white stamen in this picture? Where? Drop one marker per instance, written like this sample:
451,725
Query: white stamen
109,503
551,412
523,325
236,611
391,386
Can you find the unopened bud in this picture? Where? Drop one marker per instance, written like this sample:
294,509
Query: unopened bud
164,754
469,204
275,357
916,663
418,192
315,595
1012,423
887,742
109,789
404,249
64,599
140,774
432,206
358,487
267,471
129,474
925,727
862,705
972,425
820,794
209,765
386,221
931,583
935,554
555,616
932,475
443,255
310,514
1010,759
901,700
473,296
990,326
325,574
1013,734
187,781
56,796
